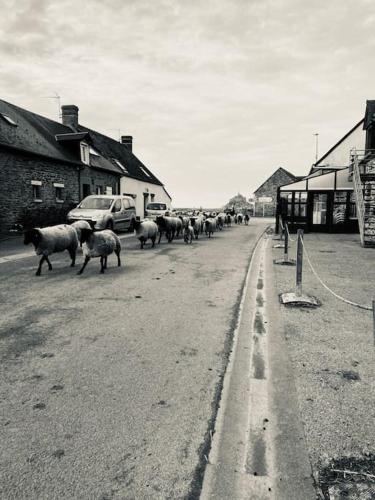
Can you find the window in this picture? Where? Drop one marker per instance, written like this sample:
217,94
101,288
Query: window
294,204
59,192
119,164
85,158
352,206
99,190
145,172
93,151
300,200
108,190
126,204
37,190
96,203
117,206
9,120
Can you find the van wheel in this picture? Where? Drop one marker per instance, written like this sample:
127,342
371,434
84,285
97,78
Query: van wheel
109,225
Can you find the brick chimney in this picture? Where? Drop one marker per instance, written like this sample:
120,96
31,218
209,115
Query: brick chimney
128,141
69,114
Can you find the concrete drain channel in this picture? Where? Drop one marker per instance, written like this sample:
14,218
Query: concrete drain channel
240,462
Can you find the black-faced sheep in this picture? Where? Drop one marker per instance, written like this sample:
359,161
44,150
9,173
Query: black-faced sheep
188,234
228,220
52,239
210,226
78,225
220,221
247,218
146,229
184,221
99,244
239,218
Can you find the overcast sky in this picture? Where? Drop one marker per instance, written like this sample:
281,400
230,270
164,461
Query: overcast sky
217,93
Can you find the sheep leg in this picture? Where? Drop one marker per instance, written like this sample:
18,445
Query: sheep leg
153,241
102,265
142,243
160,233
105,258
72,254
87,258
39,270
49,263
118,258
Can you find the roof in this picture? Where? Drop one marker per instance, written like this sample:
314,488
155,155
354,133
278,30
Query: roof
369,114
41,136
316,164
289,174
110,150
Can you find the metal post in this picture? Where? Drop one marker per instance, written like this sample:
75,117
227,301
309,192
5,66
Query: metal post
286,243
299,263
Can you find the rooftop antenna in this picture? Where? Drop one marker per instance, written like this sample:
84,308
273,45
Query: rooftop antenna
58,100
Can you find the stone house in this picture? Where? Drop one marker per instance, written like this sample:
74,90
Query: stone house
265,197
48,167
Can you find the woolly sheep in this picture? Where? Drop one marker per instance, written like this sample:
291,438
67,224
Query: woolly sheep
184,221
239,218
188,234
228,220
146,229
52,239
99,244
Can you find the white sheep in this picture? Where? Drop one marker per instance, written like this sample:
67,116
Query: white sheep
99,244
188,234
146,229
52,239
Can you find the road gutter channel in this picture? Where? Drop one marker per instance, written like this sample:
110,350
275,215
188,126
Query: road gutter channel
239,464
258,449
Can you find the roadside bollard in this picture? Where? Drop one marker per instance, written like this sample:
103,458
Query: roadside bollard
297,298
281,232
285,261
299,263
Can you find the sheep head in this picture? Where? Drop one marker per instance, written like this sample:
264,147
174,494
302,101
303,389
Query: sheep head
32,236
85,234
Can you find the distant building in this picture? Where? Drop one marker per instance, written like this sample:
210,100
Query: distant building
48,167
265,197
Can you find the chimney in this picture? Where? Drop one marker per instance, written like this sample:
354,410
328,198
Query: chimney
69,114
128,141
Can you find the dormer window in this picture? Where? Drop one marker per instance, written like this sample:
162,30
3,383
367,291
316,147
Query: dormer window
85,153
8,119
145,172
93,151
119,164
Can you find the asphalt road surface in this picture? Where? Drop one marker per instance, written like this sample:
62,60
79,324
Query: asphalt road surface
109,383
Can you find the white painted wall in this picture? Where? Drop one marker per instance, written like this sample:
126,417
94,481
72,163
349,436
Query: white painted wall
138,188
339,157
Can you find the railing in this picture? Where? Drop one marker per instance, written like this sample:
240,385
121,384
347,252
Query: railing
358,189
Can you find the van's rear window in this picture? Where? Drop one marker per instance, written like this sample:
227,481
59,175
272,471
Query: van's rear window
97,203
156,206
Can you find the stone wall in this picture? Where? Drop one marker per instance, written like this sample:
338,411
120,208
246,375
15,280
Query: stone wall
17,204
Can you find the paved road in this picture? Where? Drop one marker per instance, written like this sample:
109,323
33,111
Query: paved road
109,382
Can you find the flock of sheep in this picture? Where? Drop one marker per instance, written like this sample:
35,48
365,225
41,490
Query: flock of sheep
49,240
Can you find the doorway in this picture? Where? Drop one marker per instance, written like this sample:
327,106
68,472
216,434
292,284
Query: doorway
320,212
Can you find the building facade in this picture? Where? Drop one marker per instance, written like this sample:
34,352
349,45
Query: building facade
47,167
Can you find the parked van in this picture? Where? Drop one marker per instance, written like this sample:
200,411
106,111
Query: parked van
106,211
155,209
